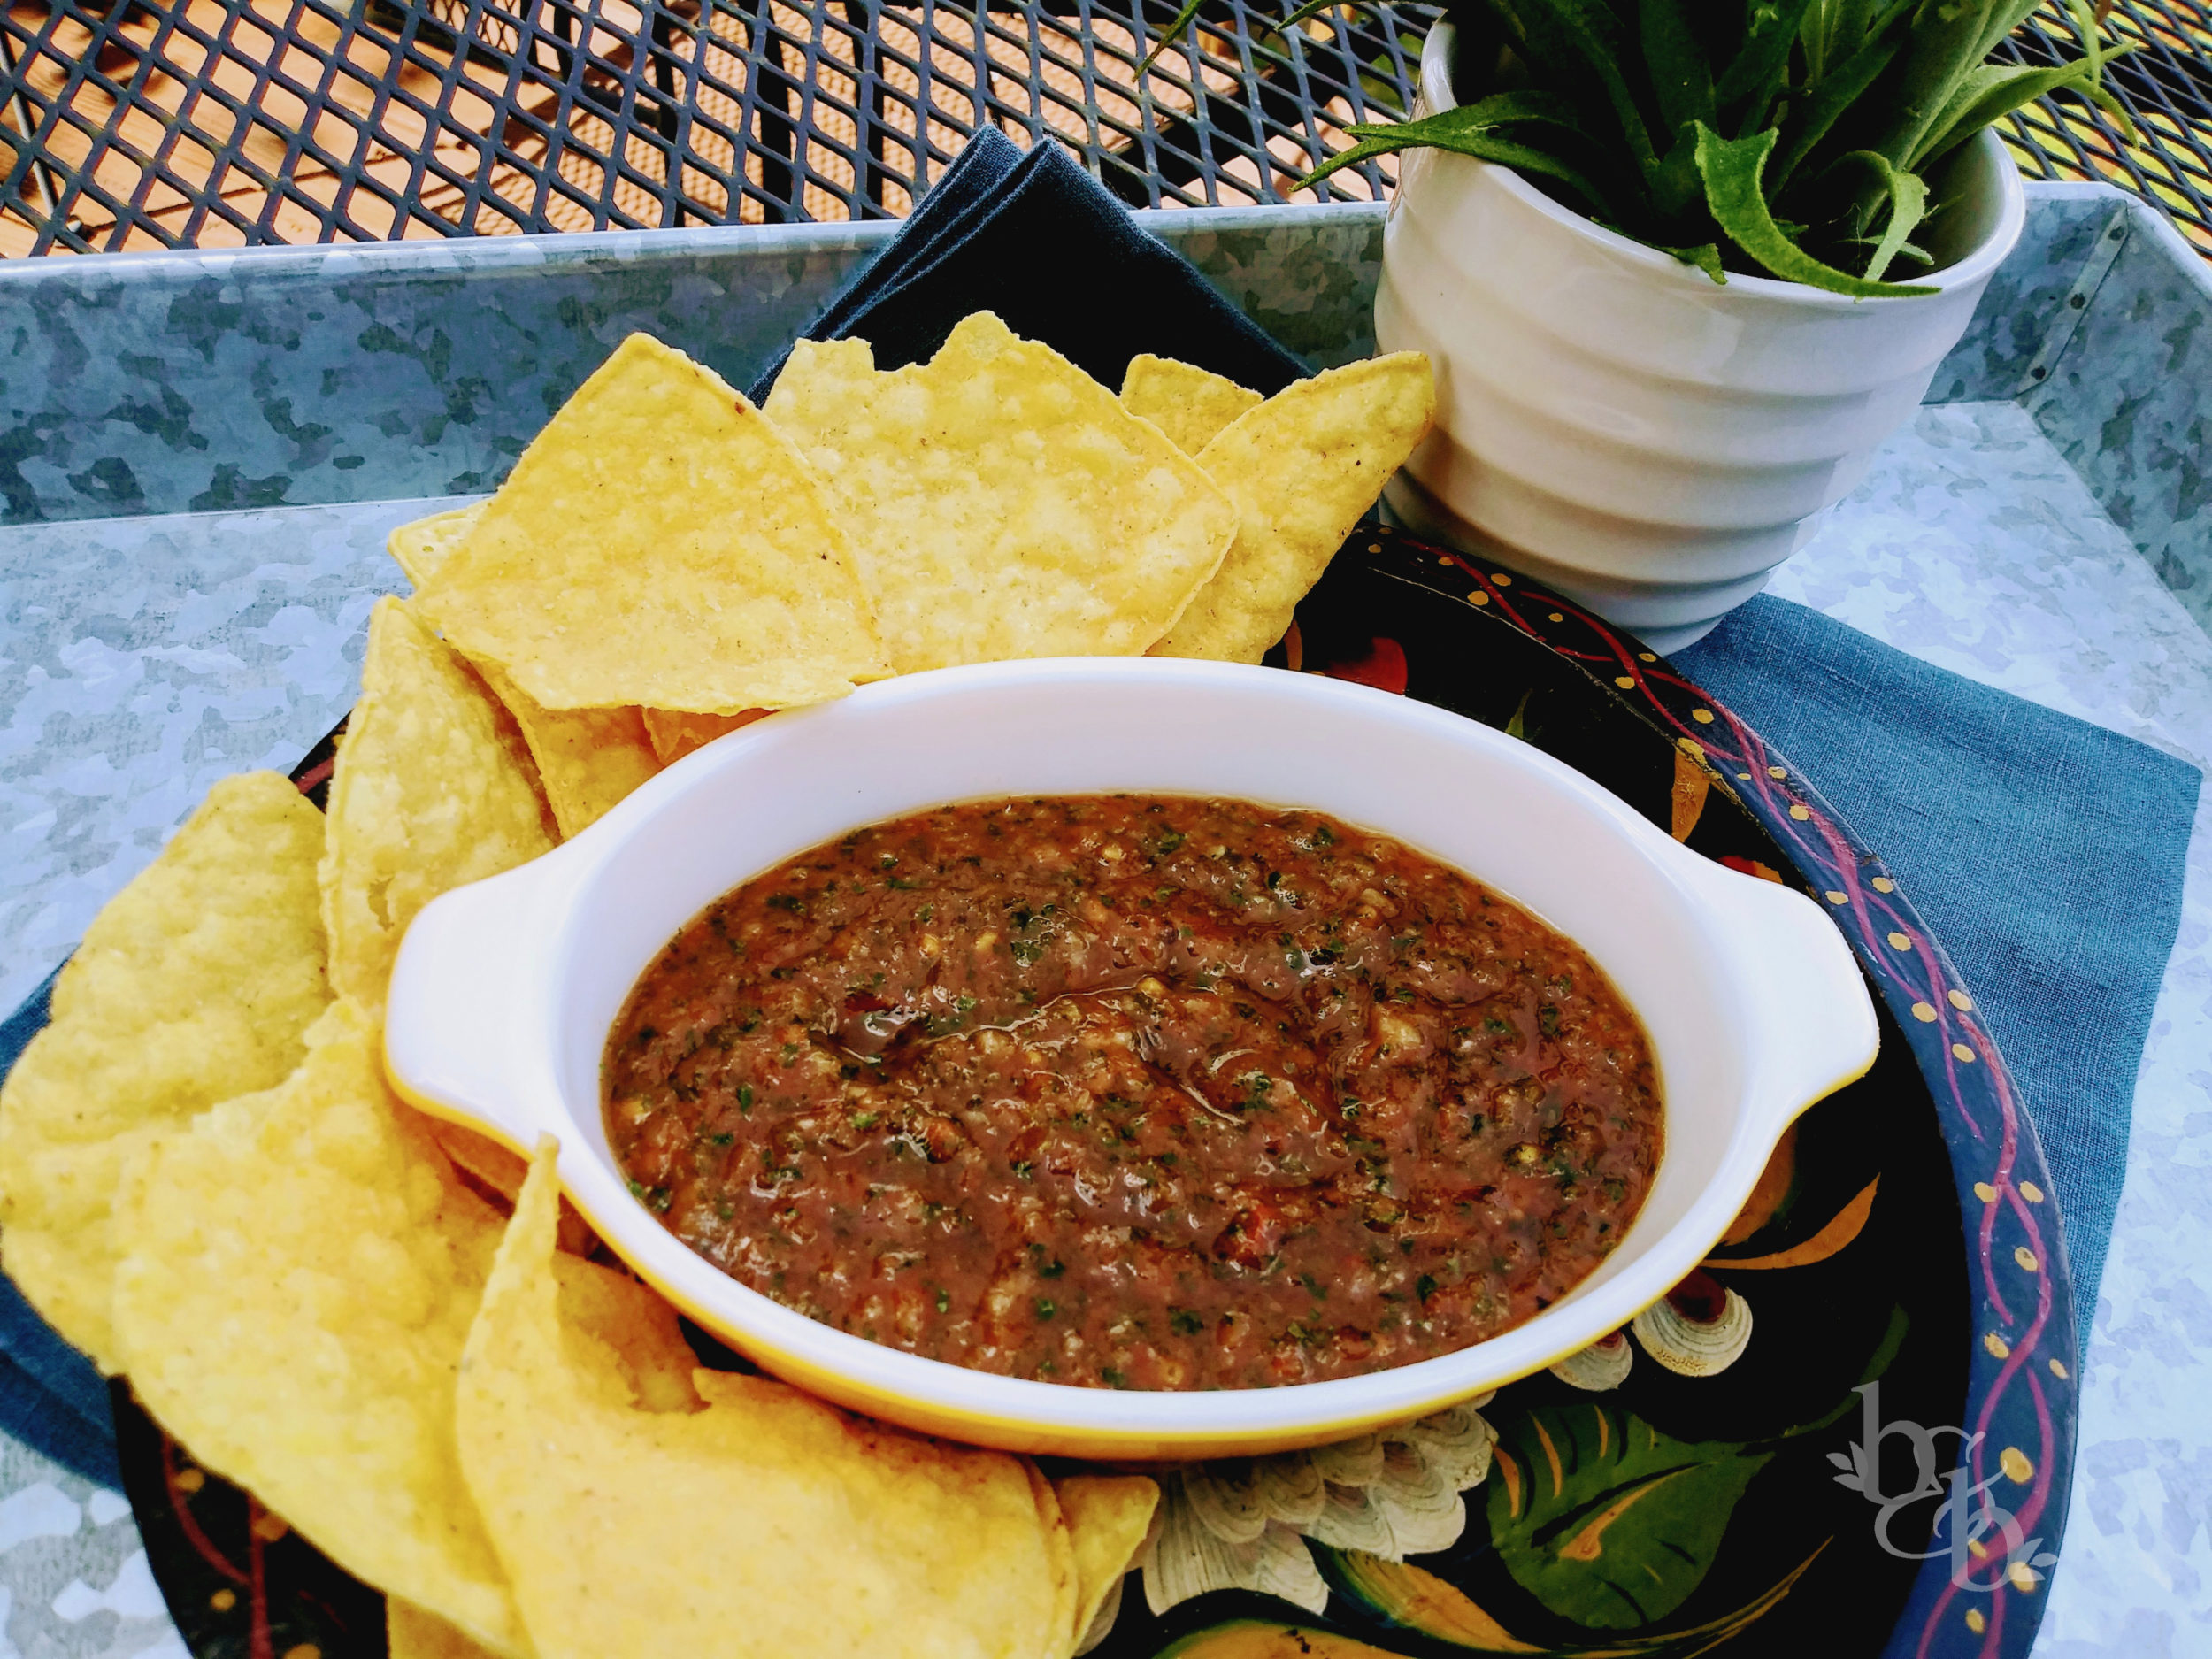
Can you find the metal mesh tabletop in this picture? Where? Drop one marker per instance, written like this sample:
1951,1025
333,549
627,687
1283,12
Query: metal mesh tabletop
225,122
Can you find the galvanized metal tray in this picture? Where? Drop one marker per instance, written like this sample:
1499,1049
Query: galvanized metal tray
203,452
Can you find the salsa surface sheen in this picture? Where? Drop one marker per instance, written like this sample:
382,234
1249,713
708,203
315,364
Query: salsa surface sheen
1140,1092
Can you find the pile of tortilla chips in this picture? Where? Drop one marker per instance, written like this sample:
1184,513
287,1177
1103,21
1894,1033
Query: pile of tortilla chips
390,1329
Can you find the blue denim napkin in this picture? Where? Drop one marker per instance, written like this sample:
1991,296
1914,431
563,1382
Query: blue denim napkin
2047,854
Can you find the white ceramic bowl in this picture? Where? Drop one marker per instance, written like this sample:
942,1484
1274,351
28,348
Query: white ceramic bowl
504,991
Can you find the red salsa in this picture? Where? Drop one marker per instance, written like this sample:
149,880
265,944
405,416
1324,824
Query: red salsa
1136,1092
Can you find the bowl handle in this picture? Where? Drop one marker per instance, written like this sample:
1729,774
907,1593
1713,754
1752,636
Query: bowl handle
467,1016
1807,1015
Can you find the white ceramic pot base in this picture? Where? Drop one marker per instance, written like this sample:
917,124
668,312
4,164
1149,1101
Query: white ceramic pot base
1411,508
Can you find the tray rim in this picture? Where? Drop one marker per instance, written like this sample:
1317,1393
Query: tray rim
519,254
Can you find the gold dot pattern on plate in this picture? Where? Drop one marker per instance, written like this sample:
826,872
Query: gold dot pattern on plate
1835,897
303,1650
223,1600
1974,1622
2058,1370
1998,1348
1883,884
1777,773
1800,813
1899,941
1959,1051
1983,1191
2025,1577
1703,716
1502,578
1376,547
190,1480
1960,1001
1647,656
2025,1257
2029,1191
1626,682
1924,1012
268,1528
1478,597
1555,617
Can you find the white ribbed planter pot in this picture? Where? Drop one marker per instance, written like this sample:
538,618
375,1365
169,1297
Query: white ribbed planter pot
1613,423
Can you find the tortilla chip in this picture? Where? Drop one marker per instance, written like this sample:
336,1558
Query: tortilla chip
1108,1516
433,789
196,982
622,1535
1302,468
675,735
659,544
1189,405
1001,503
422,546
299,1271
495,1175
411,1634
588,759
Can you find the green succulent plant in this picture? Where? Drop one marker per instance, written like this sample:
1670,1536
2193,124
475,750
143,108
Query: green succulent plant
1792,138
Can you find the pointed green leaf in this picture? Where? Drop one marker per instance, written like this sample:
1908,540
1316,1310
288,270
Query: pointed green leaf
1832,31
1705,257
1676,188
1315,8
1810,120
1755,74
2114,110
1991,92
2088,25
1676,62
1472,129
1605,1520
1944,44
1594,35
1168,35
1813,30
1731,170
1505,109
2004,16
1366,150
1516,31
2084,22
1908,207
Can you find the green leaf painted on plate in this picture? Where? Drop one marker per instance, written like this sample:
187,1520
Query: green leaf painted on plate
1413,1599
1605,1520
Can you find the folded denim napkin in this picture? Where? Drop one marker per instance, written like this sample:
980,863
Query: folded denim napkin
1036,239
2064,940
2046,855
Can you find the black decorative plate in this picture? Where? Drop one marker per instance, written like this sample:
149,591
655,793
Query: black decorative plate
1884,1467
